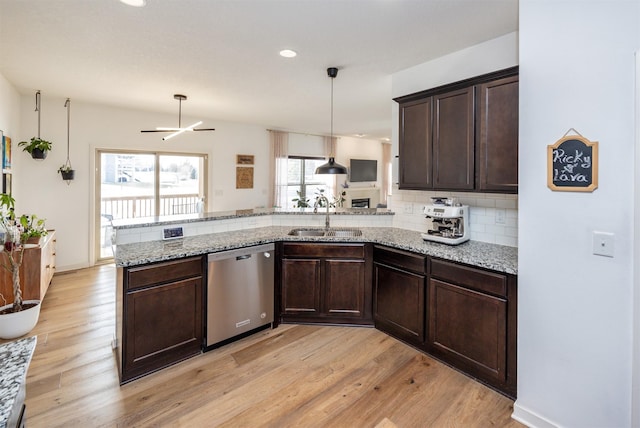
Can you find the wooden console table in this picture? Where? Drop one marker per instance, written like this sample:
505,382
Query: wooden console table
36,272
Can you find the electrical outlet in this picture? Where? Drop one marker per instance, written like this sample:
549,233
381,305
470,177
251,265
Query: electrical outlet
408,208
501,216
603,243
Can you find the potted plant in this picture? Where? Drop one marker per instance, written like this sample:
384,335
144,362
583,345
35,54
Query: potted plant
32,229
37,147
21,316
300,201
66,172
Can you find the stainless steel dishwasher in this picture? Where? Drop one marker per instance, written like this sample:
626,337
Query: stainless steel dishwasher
239,293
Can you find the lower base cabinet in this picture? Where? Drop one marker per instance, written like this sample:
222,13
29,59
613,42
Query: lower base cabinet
399,282
162,307
325,283
472,322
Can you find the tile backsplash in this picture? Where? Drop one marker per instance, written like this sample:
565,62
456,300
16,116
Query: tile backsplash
493,217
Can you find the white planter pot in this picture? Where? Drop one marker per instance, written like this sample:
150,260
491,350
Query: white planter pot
19,323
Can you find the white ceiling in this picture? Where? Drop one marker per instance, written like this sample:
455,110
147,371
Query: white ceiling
223,54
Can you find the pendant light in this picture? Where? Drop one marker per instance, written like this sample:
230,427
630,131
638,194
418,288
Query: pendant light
331,167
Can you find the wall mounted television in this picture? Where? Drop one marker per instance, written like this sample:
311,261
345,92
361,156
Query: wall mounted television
363,170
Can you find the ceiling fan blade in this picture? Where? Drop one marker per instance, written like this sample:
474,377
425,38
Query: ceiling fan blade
163,129
153,130
204,129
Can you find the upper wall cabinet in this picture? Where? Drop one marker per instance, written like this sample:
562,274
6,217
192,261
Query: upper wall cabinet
497,131
462,136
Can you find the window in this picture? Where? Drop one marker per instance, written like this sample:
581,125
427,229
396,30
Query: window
139,184
303,185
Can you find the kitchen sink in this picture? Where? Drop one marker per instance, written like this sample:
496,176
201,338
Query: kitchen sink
338,233
306,232
344,233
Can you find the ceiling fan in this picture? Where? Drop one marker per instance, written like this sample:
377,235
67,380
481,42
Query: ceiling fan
179,129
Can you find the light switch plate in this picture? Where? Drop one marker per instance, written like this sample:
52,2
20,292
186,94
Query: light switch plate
603,243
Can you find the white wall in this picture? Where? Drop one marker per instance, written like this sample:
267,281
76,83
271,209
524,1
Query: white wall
70,210
575,308
9,108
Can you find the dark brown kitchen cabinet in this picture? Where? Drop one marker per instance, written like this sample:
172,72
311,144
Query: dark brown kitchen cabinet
461,136
415,150
497,154
399,284
161,307
325,283
453,140
472,322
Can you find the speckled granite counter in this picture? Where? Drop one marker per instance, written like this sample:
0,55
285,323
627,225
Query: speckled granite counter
238,214
490,256
14,361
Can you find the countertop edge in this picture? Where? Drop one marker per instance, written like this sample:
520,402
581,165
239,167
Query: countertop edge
494,257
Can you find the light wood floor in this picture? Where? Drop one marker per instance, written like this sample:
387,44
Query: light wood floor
292,376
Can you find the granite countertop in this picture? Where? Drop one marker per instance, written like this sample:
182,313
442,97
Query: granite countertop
254,212
489,256
14,361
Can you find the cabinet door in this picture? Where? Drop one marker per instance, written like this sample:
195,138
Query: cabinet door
415,145
163,325
453,140
497,156
399,303
344,288
301,286
469,329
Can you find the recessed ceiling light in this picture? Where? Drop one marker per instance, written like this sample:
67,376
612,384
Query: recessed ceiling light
288,53
134,3
360,135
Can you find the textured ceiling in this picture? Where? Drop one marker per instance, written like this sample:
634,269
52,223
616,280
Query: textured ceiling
223,54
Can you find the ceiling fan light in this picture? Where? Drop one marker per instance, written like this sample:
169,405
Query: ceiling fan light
180,131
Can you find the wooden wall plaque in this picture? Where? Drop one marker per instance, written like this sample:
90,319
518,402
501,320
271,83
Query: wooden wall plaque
244,177
244,159
572,165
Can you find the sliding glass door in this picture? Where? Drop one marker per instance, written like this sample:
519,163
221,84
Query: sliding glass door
138,184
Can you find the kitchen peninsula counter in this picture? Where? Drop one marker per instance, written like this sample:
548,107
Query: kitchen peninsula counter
499,258
15,357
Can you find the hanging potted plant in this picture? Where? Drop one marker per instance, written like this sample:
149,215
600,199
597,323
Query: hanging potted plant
66,172
21,316
37,147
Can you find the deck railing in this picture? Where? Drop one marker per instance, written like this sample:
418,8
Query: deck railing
123,207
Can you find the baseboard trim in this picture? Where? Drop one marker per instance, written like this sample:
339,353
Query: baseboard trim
529,418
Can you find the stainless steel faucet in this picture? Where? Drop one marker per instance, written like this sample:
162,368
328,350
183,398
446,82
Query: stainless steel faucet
315,209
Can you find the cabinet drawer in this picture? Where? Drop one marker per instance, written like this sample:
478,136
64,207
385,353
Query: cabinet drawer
160,273
399,258
476,279
355,251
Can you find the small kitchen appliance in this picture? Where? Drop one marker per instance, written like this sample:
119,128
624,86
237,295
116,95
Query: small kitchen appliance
450,222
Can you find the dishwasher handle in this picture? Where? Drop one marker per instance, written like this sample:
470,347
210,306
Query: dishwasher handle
240,253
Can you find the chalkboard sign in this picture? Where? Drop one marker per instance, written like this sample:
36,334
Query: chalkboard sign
573,165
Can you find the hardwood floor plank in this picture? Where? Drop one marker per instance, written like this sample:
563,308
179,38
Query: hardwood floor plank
292,376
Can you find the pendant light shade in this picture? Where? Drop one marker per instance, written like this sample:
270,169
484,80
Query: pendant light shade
331,167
